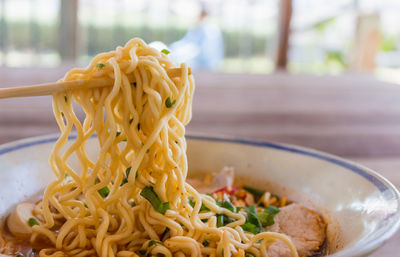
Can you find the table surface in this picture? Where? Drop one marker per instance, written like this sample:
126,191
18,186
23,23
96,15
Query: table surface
353,116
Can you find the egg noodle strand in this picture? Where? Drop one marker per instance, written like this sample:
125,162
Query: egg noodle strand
96,208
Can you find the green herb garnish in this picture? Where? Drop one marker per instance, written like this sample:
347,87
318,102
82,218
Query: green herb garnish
100,65
253,224
104,191
128,171
153,242
220,220
151,196
84,204
266,217
254,191
165,51
124,181
32,222
248,255
169,103
202,208
118,133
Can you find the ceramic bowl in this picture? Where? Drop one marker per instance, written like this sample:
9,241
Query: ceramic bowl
361,207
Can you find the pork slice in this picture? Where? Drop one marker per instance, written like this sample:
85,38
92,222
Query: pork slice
305,228
224,178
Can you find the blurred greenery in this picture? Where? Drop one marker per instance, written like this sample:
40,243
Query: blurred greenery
335,56
322,25
99,39
388,43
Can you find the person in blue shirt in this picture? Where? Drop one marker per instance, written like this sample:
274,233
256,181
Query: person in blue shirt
202,46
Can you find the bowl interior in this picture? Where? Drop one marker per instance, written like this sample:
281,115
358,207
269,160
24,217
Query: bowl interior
362,203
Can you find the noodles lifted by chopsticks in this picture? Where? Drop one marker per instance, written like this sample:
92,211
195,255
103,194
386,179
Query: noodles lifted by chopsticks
132,198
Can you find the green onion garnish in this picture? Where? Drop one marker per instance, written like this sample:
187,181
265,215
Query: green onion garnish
151,196
169,103
32,222
220,220
128,171
266,217
165,51
154,242
253,224
100,65
103,191
254,191
118,133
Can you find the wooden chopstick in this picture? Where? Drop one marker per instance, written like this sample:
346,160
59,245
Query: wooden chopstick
51,88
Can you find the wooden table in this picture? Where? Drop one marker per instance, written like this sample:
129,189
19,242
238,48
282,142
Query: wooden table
353,116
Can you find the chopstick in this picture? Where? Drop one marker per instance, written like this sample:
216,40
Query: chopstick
51,88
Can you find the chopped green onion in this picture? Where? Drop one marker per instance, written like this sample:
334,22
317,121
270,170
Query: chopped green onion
142,252
248,255
133,204
118,133
32,222
100,65
165,51
228,205
151,196
154,242
103,191
169,103
125,139
124,181
202,208
84,204
253,224
266,217
254,191
66,175
220,220
128,171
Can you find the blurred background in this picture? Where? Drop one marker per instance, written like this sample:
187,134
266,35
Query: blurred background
236,36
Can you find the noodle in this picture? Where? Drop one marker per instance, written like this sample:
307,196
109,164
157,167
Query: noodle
106,206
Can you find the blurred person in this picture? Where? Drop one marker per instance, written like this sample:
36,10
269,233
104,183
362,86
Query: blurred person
202,46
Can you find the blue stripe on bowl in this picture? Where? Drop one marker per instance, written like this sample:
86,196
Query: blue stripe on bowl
370,176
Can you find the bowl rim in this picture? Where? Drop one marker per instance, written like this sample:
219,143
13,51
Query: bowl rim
388,190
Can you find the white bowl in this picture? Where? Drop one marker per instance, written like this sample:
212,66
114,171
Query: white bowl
365,205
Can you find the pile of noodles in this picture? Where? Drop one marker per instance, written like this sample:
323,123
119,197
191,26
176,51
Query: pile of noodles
138,123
